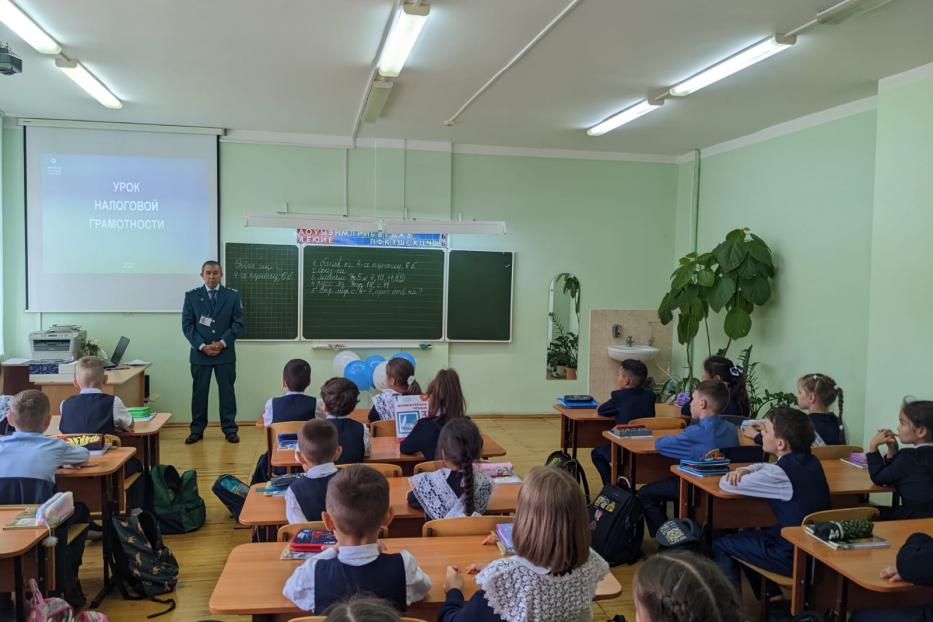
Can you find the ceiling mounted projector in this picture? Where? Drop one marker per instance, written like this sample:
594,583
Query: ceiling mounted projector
10,63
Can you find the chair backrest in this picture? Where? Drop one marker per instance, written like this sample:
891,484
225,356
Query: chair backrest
463,526
286,532
25,490
663,423
429,466
834,452
387,470
384,427
744,453
114,440
666,410
866,512
733,419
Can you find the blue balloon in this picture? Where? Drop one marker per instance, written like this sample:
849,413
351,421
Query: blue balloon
374,360
405,355
359,373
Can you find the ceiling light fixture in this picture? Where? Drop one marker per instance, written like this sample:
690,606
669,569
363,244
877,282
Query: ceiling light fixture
845,9
747,57
376,100
86,80
407,25
30,32
629,114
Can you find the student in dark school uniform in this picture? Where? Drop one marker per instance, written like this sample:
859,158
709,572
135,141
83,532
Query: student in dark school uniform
445,402
400,380
914,566
317,452
721,368
908,471
815,394
340,397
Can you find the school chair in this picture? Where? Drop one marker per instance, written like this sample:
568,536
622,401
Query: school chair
429,467
387,470
666,410
463,526
733,419
324,618
664,423
285,532
834,452
385,427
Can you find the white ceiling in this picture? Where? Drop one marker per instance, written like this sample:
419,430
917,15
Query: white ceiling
301,66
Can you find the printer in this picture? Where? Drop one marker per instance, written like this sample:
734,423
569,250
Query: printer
60,342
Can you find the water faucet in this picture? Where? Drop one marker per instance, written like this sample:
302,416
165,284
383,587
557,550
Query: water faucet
630,341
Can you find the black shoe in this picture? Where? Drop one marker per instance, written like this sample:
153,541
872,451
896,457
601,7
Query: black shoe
193,438
233,438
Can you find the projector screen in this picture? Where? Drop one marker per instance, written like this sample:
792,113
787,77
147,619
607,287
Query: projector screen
117,220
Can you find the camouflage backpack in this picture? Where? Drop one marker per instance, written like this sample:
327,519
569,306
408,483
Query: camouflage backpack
143,565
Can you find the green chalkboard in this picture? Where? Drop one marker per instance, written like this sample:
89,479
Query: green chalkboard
267,277
372,293
479,296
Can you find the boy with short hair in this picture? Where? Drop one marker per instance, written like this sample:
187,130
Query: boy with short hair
357,507
707,432
794,486
340,397
317,451
92,411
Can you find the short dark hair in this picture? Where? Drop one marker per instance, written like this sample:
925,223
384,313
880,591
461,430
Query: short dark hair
793,426
211,262
357,500
716,393
317,441
920,414
297,374
340,396
636,371
28,410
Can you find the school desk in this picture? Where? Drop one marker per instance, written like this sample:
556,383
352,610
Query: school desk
252,579
581,427
99,485
358,414
21,557
840,581
127,383
144,437
384,449
261,511
704,501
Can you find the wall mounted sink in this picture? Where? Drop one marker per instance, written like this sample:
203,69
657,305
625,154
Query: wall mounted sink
641,353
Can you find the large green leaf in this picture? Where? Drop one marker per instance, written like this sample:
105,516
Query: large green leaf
664,310
759,250
706,277
730,255
742,303
720,294
682,298
736,235
757,290
737,324
750,268
682,276
687,328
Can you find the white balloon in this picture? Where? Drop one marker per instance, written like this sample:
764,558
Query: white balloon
341,360
379,376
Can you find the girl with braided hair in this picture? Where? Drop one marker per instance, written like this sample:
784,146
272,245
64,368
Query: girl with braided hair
721,368
815,394
457,489
684,587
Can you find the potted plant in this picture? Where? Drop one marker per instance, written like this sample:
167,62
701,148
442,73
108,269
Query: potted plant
562,352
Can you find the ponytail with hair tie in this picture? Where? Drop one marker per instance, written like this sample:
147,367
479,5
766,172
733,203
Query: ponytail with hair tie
410,381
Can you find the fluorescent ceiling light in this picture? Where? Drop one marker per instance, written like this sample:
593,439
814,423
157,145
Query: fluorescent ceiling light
845,9
376,100
26,29
733,64
629,114
481,227
86,80
409,20
312,221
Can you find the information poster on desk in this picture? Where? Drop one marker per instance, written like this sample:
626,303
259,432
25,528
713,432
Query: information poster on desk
408,409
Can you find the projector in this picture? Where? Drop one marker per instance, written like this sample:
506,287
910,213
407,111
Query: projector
10,63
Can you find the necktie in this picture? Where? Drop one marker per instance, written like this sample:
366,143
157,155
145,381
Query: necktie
211,296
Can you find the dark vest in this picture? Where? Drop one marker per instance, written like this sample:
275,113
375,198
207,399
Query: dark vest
293,408
827,426
311,494
350,437
384,577
90,413
811,492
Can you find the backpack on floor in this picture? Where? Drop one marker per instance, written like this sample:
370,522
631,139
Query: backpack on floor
562,460
681,533
617,523
143,565
231,492
43,609
175,499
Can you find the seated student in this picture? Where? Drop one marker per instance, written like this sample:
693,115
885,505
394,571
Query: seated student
815,394
913,566
710,432
340,397
721,368
683,587
357,507
92,411
293,406
554,572
317,451
6,425
908,471
359,609
633,400
445,402
794,486
400,380
457,489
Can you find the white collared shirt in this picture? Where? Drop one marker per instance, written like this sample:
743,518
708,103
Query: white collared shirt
300,586
267,409
293,513
122,418
367,444
764,480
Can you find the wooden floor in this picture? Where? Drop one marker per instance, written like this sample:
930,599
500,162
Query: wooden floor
202,553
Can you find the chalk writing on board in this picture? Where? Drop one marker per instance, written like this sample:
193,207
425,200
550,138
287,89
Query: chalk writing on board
259,271
344,278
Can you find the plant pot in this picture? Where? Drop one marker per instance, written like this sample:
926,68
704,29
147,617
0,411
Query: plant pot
571,373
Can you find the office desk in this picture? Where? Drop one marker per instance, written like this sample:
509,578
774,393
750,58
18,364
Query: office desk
127,383
144,437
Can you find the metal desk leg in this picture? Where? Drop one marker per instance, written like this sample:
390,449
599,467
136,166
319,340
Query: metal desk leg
614,467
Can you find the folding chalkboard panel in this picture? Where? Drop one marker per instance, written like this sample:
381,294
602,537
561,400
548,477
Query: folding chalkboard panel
267,277
479,295
372,293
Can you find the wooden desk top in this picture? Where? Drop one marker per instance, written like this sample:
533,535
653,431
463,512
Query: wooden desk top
107,464
260,509
385,449
15,542
141,428
253,577
843,479
581,414
114,376
863,567
643,445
